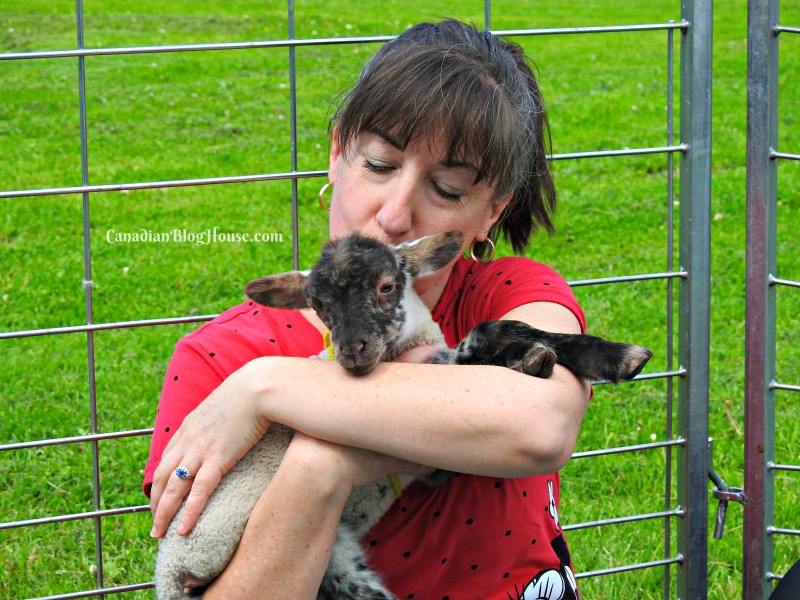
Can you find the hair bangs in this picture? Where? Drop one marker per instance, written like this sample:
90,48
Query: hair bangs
436,94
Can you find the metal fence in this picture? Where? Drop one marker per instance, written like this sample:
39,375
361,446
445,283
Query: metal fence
686,445
764,391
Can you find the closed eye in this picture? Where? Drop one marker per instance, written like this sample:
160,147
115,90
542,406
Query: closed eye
445,194
375,167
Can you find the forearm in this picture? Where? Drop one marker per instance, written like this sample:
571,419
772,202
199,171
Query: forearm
482,420
287,542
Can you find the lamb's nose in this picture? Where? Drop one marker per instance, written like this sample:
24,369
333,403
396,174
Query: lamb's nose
354,349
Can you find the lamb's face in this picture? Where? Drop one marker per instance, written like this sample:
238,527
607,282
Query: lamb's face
357,289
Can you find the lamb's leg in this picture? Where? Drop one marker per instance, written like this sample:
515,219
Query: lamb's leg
519,346
348,577
186,565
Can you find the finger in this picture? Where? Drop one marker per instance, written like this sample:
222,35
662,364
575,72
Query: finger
161,477
203,486
420,354
166,506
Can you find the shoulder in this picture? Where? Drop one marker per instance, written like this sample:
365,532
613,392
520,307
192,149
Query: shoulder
247,331
479,292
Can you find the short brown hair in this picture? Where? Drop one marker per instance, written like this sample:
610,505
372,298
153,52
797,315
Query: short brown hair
478,88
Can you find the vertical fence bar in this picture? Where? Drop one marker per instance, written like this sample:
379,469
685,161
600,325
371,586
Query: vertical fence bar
762,175
670,300
293,134
693,348
88,286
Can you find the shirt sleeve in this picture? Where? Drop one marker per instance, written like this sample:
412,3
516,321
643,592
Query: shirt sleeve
521,281
490,291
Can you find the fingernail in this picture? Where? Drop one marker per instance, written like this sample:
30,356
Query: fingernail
153,532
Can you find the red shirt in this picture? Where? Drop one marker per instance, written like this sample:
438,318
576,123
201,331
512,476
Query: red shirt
475,537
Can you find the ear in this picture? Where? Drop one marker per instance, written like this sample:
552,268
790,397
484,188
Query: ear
495,210
335,154
428,254
284,290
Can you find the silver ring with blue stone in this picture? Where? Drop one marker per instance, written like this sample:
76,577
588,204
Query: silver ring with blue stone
183,473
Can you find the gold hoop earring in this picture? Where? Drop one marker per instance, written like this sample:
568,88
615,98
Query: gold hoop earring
322,195
482,259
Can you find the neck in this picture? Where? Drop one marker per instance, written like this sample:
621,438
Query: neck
311,316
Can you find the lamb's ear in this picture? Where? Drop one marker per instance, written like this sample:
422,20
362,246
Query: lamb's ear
284,290
428,254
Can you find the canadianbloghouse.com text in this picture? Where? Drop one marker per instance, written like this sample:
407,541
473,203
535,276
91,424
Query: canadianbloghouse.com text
186,236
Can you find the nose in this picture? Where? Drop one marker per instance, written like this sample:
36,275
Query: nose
353,350
396,216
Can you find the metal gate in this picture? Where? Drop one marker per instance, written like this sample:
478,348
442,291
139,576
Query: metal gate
764,388
685,515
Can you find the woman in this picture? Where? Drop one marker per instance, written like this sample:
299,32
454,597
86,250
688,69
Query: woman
445,130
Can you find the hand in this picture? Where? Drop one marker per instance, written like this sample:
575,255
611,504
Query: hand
209,443
420,354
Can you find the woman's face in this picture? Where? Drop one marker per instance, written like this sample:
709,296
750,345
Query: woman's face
397,194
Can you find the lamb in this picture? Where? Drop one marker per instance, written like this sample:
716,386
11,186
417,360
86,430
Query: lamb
362,290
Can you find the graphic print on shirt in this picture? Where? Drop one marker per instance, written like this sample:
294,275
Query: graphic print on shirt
553,584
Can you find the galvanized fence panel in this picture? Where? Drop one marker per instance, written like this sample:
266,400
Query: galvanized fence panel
762,460
685,443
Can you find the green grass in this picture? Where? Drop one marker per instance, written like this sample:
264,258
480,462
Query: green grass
207,114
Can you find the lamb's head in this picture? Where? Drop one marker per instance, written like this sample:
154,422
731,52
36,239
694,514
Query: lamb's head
361,289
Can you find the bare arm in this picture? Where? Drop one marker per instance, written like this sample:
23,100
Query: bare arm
284,553
461,418
464,418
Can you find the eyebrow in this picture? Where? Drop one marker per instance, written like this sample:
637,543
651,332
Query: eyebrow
395,143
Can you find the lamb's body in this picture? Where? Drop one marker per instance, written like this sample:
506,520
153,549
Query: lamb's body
187,564
362,290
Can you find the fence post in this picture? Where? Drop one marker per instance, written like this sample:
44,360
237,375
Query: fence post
762,176
693,350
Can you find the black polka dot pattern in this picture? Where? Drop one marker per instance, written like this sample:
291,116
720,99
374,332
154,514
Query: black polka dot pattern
498,536
489,560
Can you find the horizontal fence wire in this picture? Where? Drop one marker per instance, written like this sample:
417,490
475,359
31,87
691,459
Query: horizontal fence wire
784,282
784,386
202,318
127,510
104,326
76,439
785,155
779,467
634,567
677,512
148,185
100,592
295,175
633,448
296,43
781,531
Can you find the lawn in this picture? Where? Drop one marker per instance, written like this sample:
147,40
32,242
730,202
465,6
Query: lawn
186,115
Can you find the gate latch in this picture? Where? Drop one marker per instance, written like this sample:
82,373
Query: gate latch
724,493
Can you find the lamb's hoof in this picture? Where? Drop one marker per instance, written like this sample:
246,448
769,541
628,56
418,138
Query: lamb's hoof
635,360
538,361
194,587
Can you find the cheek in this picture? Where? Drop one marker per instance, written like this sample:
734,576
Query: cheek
350,211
